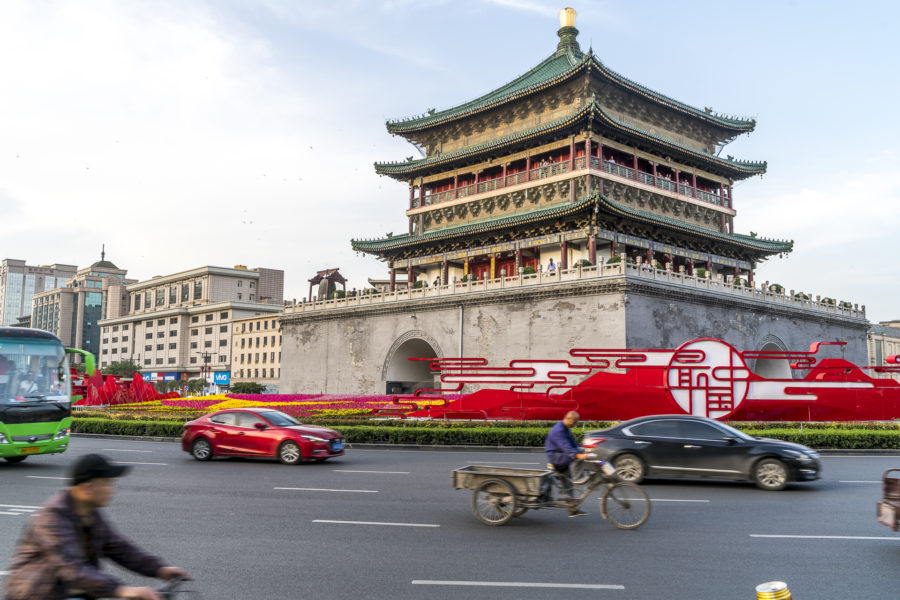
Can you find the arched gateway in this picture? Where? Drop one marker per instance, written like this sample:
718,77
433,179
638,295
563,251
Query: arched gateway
404,376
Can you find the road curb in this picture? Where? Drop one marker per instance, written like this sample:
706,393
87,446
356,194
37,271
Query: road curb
522,449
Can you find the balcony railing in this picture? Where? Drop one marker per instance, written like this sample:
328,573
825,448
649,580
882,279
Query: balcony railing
565,166
562,276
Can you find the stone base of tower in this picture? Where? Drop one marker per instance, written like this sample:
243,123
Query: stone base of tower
364,347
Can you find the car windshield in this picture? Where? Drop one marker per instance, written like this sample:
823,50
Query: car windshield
279,419
734,432
33,370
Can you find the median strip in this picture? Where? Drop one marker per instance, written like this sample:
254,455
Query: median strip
326,490
522,584
382,472
375,523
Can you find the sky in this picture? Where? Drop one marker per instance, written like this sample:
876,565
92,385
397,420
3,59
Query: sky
183,133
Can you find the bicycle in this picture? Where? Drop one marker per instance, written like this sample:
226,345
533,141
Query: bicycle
174,589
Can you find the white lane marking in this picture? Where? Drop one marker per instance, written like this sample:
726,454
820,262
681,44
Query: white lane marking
857,481
674,500
4,572
375,523
384,472
22,506
125,450
506,462
521,584
326,490
10,513
825,537
121,462
43,477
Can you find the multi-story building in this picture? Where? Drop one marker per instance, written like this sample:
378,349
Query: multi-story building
884,341
19,282
179,326
73,312
256,350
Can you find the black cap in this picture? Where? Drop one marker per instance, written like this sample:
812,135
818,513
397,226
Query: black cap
95,466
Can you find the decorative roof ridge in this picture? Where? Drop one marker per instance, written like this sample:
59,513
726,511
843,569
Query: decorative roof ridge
748,240
744,124
592,105
485,101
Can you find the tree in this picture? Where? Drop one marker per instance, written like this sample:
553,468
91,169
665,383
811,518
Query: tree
247,387
122,368
195,386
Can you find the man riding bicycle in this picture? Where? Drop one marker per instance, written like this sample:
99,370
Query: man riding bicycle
562,449
58,555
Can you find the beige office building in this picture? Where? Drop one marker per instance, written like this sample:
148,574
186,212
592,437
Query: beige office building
19,282
884,341
256,350
179,326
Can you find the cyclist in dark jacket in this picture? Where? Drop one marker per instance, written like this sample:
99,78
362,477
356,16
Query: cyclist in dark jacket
58,555
562,449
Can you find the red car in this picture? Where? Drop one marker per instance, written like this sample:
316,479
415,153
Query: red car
259,432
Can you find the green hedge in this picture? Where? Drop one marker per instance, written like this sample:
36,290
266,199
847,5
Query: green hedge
443,433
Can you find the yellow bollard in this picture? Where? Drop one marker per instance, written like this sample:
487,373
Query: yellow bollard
773,590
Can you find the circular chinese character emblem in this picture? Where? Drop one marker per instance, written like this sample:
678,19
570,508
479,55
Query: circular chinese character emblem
707,378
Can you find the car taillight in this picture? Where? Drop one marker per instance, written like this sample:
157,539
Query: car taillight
591,442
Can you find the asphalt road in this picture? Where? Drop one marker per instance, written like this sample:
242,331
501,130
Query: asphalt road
386,524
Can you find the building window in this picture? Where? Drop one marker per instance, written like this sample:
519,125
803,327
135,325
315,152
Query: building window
193,360
240,283
223,359
193,345
146,361
105,340
161,322
146,299
207,344
273,357
149,322
223,343
160,296
137,301
160,334
252,297
223,329
115,350
185,292
124,350
159,361
198,290
124,338
195,319
115,339
273,340
252,284
242,342
149,336
209,317
224,315
171,360
173,332
172,346
173,294
173,320
239,295
208,330
148,347
124,327
160,346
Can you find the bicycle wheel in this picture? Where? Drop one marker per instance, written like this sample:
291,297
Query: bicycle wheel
494,502
625,505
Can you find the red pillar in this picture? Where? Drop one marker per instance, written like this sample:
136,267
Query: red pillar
587,153
518,260
456,185
572,154
445,271
410,277
634,163
564,254
412,195
592,248
527,168
649,256
505,167
393,280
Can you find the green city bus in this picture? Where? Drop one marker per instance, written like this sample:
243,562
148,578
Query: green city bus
35,393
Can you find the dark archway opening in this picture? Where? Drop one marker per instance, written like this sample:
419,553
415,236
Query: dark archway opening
405,376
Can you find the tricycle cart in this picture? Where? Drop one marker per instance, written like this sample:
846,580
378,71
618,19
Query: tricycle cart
502,493
889,506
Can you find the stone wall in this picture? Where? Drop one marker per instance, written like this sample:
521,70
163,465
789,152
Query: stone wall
355,349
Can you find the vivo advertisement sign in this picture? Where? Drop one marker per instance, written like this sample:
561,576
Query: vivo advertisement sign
151,377
222,377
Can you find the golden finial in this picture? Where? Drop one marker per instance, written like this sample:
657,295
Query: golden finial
567,17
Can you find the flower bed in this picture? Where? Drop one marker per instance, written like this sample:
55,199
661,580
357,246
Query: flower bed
297,405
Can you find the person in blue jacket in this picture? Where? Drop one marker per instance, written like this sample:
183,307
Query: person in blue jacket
562,449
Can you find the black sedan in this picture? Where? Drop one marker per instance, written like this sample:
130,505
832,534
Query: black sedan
697,447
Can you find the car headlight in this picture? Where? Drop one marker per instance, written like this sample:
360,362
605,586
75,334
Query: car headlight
3,439
313,438
798,455
61,434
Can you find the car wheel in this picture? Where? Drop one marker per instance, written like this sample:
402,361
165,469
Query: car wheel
630,468
770,474
14,459
289,453
201,449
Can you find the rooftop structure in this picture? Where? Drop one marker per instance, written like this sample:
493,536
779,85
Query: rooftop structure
570,163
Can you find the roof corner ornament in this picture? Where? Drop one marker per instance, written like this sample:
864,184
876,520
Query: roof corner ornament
567,32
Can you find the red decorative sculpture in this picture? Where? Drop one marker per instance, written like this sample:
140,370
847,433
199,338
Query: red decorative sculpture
705,377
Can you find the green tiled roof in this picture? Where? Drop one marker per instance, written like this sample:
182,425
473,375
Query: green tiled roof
593,109
761,245
758,244
401,241
563,64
